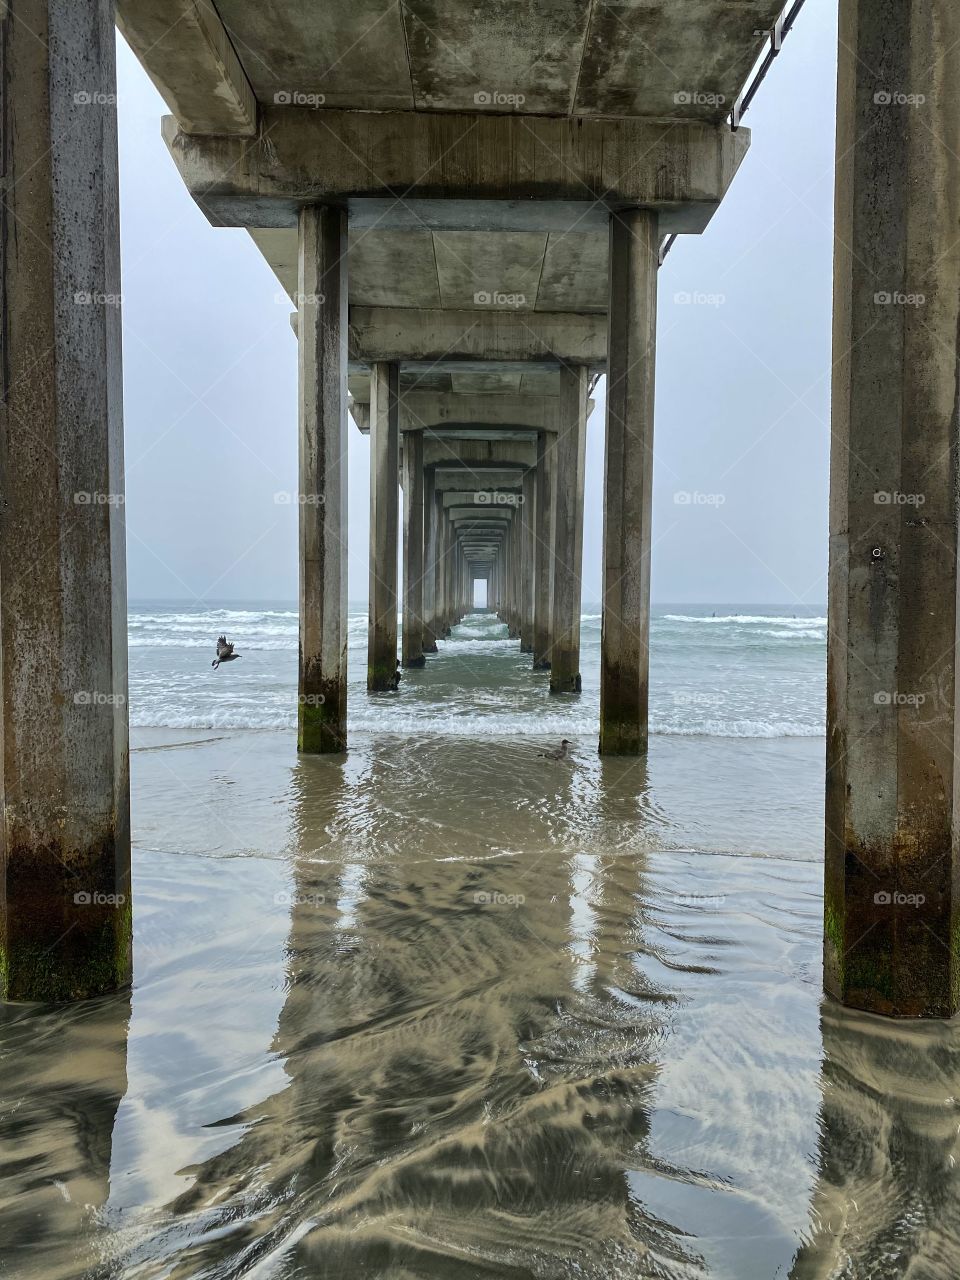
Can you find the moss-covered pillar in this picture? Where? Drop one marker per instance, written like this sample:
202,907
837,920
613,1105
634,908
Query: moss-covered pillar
628,484
384,517
412,648
570,449
528,557
543,566
892,924
65,909
322,326
430,522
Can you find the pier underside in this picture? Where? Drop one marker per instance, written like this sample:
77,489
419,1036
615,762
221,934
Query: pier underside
466,209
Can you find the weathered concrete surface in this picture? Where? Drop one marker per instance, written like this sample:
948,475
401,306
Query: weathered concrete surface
384,515
322,709
65,907
543,571
528,561
891,908
412,654
493,335
432,498
569,58
187,53
433,411
570,450
682,170
628,483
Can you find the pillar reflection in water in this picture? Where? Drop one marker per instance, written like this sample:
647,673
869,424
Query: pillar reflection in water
63,1075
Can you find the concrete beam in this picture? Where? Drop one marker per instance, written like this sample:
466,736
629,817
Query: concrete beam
532,163
476,457
185,50
570,451
434,410
408,335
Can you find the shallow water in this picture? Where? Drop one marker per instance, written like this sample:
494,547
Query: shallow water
447,1009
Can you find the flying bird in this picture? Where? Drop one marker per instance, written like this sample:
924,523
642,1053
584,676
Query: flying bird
559,754
224,653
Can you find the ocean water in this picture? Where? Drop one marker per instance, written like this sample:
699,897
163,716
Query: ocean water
735,671
443,1009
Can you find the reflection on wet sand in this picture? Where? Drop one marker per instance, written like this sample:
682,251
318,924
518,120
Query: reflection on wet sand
887,1199
471,1019
61,1082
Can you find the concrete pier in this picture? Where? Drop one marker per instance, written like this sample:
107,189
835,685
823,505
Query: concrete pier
628,481
571,443
412,654
891,940
528,560
65,904
322,329
430,548
543,569
384,516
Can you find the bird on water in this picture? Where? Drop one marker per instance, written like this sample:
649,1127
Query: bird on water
559,754
224,653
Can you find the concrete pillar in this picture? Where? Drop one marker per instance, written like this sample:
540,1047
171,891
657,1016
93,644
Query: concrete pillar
568,530
65,911
892,942
430,498
628,484
412,651
528,559
322,326
384,516
543,568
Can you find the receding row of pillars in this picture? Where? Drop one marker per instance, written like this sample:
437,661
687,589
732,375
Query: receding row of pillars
535,566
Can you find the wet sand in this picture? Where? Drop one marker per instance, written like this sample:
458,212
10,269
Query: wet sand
450,1010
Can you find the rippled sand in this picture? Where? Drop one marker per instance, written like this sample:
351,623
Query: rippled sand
447,1009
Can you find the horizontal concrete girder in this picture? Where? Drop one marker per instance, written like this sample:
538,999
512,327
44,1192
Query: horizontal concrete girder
486,495
186,51
307,157
430,410
476,457
408,335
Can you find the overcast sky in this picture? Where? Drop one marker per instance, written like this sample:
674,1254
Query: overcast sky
743,375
